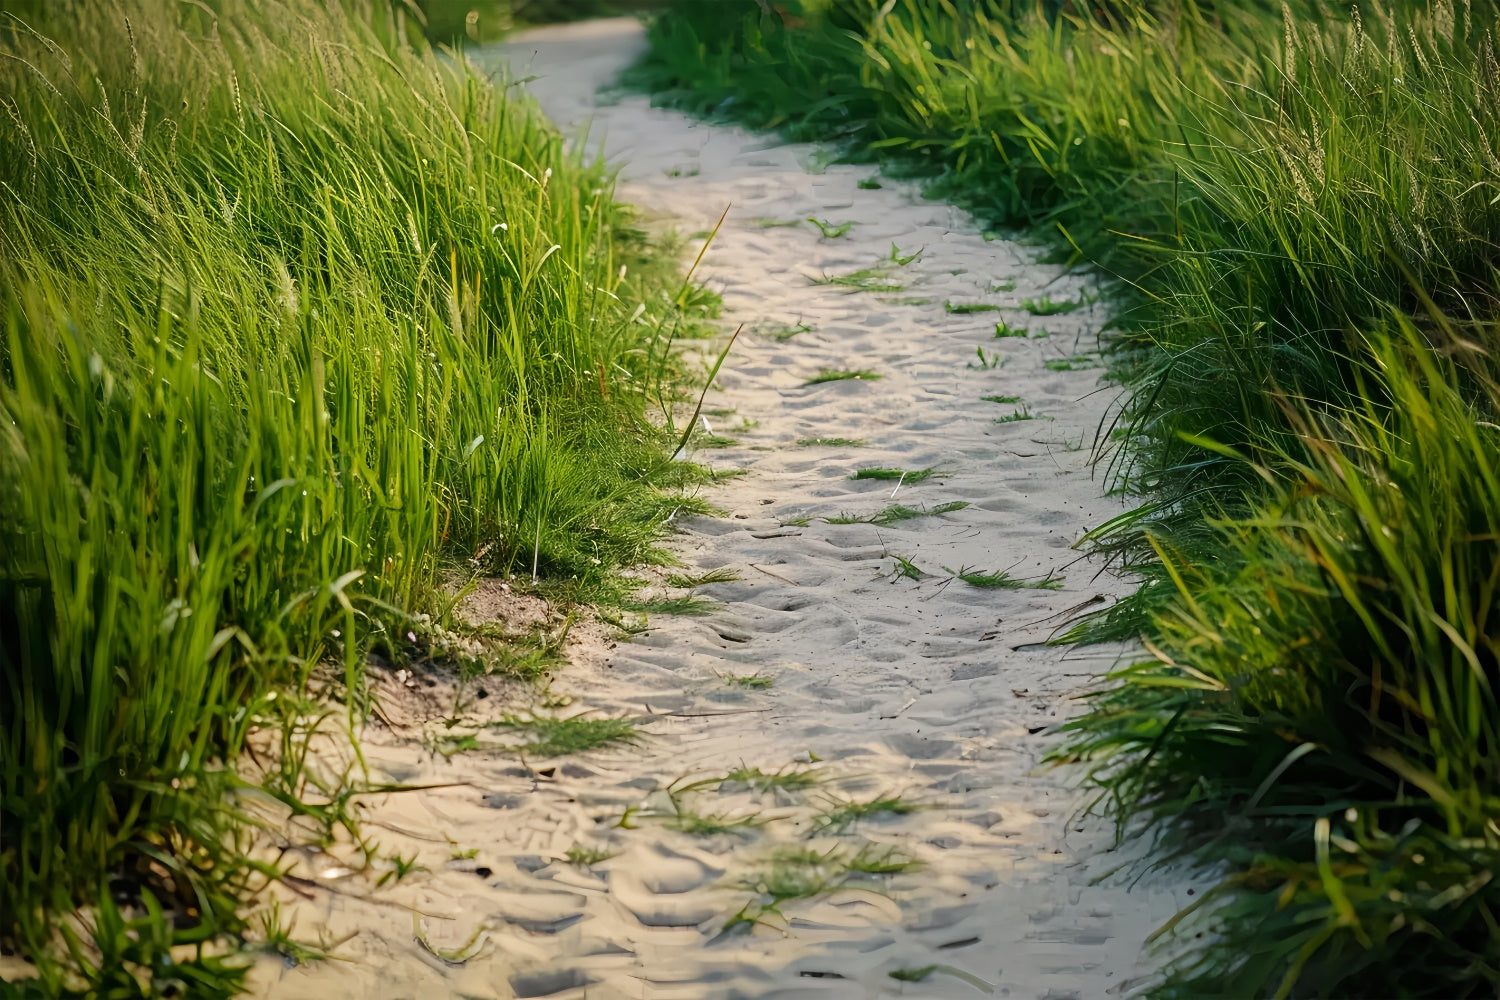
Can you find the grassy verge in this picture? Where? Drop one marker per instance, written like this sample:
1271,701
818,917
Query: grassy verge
290,313
1301,205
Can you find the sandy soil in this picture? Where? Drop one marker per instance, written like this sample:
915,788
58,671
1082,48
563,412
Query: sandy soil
880,686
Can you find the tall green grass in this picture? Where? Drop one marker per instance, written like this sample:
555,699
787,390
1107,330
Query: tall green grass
1302,205
289,314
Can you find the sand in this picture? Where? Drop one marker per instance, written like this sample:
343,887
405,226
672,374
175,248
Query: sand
880,685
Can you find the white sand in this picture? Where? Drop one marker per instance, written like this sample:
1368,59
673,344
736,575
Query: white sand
928,689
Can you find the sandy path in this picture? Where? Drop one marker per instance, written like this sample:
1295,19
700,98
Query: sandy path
881,685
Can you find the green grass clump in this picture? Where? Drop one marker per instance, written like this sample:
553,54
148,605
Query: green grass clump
869,279
1002,580
966,308
789,779
721,575
551,737
903,475
846,814
831,230
839,375
1320,710
1082,362
834,442
896,513
1046,306
752,682
687,604
290,311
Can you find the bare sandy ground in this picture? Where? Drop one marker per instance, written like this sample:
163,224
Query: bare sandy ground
880,686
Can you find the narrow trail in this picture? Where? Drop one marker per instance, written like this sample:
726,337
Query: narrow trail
927,691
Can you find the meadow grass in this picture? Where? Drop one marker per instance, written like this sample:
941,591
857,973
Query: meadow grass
291,312
1299,202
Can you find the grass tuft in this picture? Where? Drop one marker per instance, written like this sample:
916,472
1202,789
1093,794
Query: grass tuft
839,375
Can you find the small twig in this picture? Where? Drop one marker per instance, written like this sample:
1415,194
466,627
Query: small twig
777,576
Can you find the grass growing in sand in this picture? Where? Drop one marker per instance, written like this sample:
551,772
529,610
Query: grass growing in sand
586,856
900,475
834,442
1046,306
896,513
752,682
831,230
796,873
844,815
968,308
839,375
1302,198
721,575
554,737
292,313
1001,580
687,604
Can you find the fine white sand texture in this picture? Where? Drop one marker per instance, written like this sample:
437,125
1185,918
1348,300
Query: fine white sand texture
865,683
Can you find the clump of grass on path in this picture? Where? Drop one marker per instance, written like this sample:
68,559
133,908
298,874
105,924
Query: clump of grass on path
840,375
1001,580
290,312
833,442
896,513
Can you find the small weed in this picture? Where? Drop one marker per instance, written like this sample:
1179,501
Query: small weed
584,856
873,860
682,172
1004,329
965,308
987,362
846,814
720,575
760,781
1004,581
1008,285
560,737
755,682
715,441
910,300
839,375
782,332
869,184
1046,306
831,230
1080,362
912,975
830,443
710,824
778,223
896,513
904,567
915,476
869,279
902,259
687,605
1024,413
468,854
1001,399
397,869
